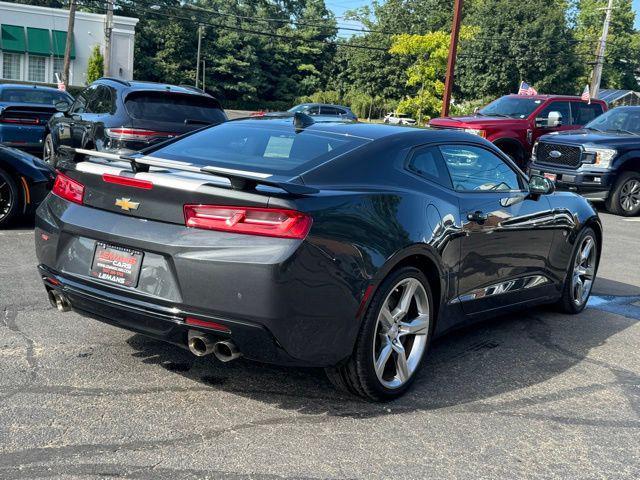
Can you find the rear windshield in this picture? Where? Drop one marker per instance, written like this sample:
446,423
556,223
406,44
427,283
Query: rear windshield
275,149
43,97
174,108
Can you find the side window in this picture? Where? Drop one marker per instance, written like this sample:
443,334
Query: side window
427,162
330,111
80,104
101,101
315,110
474,169
562,107
583,113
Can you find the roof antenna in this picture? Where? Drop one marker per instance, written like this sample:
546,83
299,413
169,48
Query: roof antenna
301,121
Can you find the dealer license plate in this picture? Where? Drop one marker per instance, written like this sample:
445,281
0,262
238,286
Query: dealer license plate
116,264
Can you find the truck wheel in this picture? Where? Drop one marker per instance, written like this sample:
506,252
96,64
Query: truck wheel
624,199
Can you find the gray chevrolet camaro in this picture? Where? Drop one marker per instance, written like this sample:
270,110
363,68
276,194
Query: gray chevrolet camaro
339,245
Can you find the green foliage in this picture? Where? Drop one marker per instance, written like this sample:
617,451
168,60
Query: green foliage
95,65
429,55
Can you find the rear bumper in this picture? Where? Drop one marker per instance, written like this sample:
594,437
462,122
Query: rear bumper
25,137
593,185
162,323
282,300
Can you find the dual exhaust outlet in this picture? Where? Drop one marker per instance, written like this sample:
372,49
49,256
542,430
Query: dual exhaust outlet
201,344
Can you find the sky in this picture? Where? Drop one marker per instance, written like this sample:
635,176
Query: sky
340,6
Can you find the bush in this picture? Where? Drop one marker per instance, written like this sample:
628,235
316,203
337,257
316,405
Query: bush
95,66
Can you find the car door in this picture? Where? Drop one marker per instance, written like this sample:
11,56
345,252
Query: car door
562,106
63,127
82,120
506,233
90,129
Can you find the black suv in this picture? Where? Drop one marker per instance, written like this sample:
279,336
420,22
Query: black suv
119,116
600,161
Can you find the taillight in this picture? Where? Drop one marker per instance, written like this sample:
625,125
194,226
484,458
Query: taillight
127,181
270,222
136,134
67,188
20,121
207,323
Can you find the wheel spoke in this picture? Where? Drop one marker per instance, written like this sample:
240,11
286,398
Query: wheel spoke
586,250
383,358
417,326
405,300
386,319
402,368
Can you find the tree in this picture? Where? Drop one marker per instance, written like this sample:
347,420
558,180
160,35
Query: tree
622,54
95,65
518,41
429,55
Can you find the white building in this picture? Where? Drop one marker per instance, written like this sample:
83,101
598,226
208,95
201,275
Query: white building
33,41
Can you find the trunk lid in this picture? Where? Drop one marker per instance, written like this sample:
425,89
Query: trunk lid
26,114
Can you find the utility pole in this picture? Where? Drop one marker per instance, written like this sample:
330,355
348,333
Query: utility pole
451,62
597,69
67,47
198,59
108,30
204,72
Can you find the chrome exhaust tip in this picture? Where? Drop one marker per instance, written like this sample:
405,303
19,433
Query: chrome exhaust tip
59,301
226,350
200,344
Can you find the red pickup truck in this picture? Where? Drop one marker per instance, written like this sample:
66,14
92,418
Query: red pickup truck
514,122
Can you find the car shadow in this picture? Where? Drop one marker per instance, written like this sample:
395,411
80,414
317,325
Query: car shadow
464,369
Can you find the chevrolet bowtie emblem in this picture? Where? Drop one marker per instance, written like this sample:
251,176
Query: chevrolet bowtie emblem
126,204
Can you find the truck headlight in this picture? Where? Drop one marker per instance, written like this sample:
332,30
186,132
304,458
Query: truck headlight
475,131
598,157
533,151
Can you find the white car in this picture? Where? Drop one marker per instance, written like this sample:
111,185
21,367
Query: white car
399,119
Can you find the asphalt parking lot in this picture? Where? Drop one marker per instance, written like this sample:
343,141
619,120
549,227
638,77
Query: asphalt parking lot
532,395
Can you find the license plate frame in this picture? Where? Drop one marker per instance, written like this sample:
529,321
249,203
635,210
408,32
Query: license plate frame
116,265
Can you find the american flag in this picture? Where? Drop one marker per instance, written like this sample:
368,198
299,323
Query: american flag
526,89
586,95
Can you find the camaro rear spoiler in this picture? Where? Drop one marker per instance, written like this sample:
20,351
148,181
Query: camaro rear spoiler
240,179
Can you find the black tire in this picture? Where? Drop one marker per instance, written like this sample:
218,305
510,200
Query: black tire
620,202
9,199
48,152
358,375
568,303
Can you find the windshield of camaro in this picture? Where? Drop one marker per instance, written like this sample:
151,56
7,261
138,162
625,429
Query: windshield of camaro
625,120
514,107
24,95
276,148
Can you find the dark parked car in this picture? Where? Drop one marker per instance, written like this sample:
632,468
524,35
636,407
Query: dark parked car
601,161
345,245
24,182
24,113
118,116
514,122
326,110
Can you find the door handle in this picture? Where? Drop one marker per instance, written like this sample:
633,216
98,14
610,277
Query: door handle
477,217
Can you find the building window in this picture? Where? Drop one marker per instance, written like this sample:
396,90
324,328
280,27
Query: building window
58,67
11,66
37,69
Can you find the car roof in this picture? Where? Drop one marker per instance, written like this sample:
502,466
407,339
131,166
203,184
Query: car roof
551,97
140,85
22,86
313,104
369,131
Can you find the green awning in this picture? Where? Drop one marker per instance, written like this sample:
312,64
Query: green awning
38,41
59,42
13,39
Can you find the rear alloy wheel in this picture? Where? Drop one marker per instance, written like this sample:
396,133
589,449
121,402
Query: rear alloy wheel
582,273
9,198
625,197
48,152
394,337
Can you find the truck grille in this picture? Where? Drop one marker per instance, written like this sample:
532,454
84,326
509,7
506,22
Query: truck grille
570,156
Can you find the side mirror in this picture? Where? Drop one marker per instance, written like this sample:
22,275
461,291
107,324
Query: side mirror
554,119
539,185
476,110
62,106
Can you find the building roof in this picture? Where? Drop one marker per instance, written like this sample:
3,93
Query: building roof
612,95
